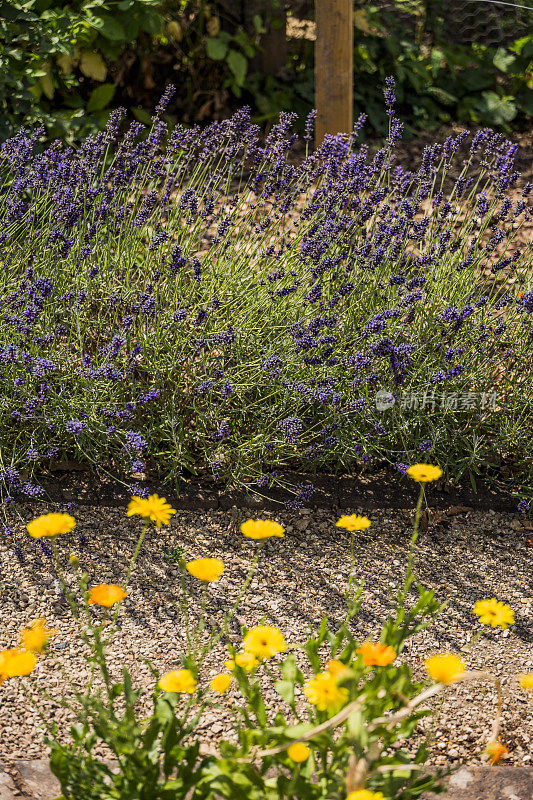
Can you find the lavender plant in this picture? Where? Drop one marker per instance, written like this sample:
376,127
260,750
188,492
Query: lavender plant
205,301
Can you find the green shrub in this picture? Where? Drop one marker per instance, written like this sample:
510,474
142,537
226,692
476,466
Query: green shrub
65,64
50,51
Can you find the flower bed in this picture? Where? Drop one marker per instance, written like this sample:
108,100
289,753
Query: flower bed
361,703
201,303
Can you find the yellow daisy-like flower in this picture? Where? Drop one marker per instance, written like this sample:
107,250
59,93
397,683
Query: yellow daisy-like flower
424,473
50,525
376,654
106,594
206,569
262,529
335,667
365,794
264,641
445,668
324,693
180,680
494,613
36,636
353,523
220,683
245,661
526,682
154,508
73,558
16,662
496,751
298,752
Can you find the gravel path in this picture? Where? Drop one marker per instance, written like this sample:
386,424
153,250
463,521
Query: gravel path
464,556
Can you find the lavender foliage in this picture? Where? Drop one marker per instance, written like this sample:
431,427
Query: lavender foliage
207,299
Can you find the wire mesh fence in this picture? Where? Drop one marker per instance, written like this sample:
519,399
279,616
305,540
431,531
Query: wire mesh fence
486,22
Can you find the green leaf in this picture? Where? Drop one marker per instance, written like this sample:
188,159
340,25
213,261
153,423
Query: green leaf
216,48
108,26
258,24
101,97
285,689
238,65
442,96
131,27
504,60
495,109
142,116
149,20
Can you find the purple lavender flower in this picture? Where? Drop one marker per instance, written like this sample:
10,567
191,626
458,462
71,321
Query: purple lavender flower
390,97
292,428
75,426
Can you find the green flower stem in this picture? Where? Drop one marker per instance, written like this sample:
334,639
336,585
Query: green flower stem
133,559
474,640
201,625
414,537
215,638
66,590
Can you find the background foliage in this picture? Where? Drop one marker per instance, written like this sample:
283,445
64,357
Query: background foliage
66,64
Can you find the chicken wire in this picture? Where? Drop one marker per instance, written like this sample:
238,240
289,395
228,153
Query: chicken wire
485,22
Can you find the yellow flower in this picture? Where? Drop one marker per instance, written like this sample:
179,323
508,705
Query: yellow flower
50,525
246,661
181,680
298,752
73,558
335,667
106,594
353,523
496,751
261,529
494,613
206,569
424,473
220,683
322,691
445,668
154,508
264,641
16,662
365,794
526,681
375,654
36,636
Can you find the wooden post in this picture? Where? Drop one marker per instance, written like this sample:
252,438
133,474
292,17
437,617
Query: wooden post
334,67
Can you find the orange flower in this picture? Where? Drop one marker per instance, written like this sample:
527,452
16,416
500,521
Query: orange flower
16,662
424,473
261,529
220,683
298,752
206,569
445,667
375,654
180,680
36,636
154,508
335,667
496,751
106,594
245,661
353,522
50,525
